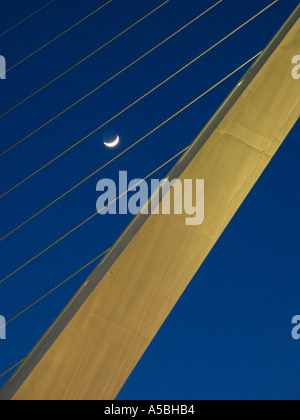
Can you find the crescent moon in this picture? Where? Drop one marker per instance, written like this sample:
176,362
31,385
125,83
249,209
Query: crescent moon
114,143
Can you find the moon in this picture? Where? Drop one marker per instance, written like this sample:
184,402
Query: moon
113,143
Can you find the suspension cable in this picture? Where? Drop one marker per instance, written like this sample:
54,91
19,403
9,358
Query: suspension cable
102,253
95,214
57,37
28,17
108,80
84,59
126,108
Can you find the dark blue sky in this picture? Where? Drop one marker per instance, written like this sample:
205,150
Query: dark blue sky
229,337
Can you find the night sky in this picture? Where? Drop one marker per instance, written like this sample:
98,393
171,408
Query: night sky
229,337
